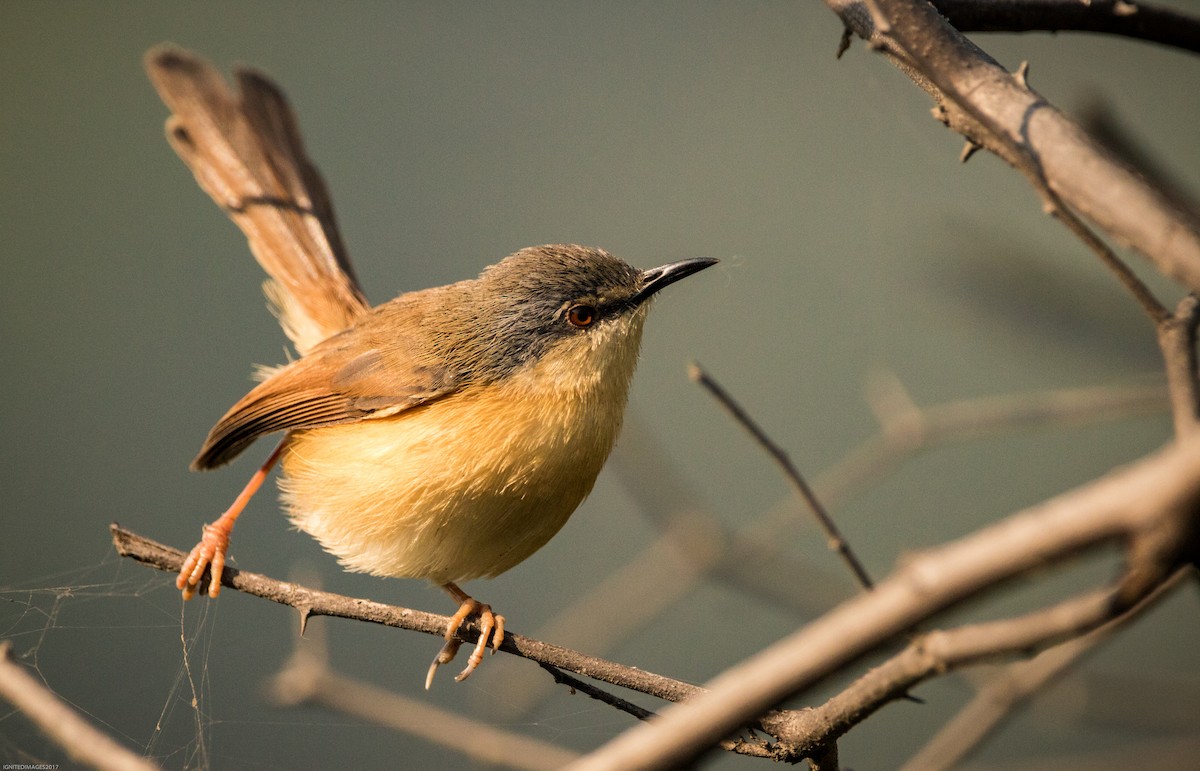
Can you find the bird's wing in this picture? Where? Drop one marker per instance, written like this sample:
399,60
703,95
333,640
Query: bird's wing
341,381
245,151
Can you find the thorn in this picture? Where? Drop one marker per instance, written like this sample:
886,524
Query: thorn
969,149
694,372
844,43
305,612
1022,74
1048,207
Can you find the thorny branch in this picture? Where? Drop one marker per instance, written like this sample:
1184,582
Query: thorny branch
997,110
313,602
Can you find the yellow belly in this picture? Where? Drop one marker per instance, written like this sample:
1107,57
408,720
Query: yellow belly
464,487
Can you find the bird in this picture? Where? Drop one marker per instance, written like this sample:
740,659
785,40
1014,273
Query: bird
444,435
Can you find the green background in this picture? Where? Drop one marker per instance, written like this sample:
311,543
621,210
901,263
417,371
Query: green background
851,241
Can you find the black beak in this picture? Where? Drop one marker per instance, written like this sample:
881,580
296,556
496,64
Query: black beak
655,279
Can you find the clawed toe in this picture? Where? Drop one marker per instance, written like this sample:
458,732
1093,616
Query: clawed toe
208,555
491,631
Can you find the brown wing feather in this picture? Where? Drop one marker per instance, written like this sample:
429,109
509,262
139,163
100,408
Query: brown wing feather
322,391
246,153
381,367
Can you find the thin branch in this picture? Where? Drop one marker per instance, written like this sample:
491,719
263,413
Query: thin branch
944,651
833,536
312,602
1140,20
754,748
1153,308
1177,340
66,727
1148,505
1019,682
589,690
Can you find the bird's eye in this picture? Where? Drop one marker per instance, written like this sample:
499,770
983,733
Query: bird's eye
581,315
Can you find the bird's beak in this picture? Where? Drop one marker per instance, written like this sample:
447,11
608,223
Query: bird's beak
655,279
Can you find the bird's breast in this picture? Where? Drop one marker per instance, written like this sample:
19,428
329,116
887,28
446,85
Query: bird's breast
465,486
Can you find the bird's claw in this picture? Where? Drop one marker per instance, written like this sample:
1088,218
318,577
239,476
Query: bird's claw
209,555
491,627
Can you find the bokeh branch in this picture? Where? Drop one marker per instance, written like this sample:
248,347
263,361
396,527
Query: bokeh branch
83,742
307,679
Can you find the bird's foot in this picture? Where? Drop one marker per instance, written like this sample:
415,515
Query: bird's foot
491,627
208,554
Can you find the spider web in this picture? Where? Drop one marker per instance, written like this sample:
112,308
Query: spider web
80,633
115,641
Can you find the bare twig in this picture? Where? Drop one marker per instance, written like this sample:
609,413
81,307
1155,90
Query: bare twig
312,602
575,684
1018,682
66,727
833,536
1148,505
1177,340
754,748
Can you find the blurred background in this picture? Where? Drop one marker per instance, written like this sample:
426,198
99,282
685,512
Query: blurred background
855,249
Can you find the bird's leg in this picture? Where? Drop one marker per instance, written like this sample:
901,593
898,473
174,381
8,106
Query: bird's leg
491,625
215,541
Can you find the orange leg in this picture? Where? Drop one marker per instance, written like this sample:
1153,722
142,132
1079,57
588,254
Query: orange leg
210,552
491,625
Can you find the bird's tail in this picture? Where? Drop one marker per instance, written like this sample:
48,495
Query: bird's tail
246,152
